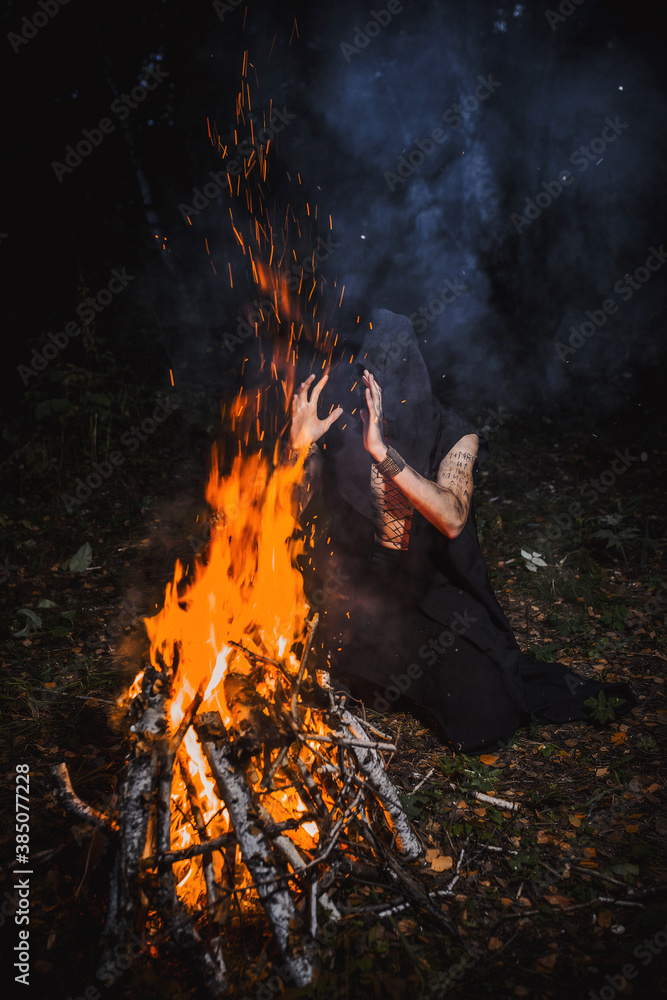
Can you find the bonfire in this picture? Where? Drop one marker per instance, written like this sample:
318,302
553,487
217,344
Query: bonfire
248,780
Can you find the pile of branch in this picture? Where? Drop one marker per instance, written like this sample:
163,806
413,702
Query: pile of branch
301,739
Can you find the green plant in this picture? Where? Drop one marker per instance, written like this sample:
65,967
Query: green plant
602,708
647,744
616,615
544,653
615,533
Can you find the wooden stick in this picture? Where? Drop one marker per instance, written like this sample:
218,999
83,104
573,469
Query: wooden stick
311,786
187,719
256,656
185,853
423,781
71,801
341,742
373,729
267,780
501,803
371,766
284,844
212,895
312,625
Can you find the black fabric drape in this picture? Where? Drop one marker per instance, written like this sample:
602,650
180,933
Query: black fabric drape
433,606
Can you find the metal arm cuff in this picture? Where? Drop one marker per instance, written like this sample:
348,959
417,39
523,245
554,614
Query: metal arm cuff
392,464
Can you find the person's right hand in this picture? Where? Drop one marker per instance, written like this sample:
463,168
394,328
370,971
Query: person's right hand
306,425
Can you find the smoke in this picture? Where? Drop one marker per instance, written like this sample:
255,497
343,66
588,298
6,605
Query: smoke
446,142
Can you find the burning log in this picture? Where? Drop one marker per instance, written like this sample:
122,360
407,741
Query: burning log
289,802
247,777
136,798
256,850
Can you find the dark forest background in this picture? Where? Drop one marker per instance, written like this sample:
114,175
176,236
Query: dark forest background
517,294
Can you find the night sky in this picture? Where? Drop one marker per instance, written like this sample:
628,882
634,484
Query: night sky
494,173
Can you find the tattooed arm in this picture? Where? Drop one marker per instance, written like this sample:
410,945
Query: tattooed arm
445,502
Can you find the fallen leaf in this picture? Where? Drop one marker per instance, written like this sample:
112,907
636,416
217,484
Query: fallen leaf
495,944
632,828
489,758
556,900
619,738
605,918
442,863
407,925
601,771
521,991
546,963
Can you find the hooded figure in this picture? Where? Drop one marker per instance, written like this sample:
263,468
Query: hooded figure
406,605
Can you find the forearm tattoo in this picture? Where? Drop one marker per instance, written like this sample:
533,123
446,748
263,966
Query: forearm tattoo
455,475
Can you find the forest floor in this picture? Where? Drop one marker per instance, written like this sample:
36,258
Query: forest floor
563,896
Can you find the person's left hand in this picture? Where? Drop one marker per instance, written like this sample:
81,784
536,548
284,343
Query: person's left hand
372,419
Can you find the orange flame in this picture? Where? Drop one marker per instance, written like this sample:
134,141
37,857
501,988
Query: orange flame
247,588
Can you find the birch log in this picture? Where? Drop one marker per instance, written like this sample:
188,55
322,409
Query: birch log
256,849
372,767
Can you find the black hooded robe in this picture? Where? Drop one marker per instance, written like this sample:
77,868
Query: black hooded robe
424,623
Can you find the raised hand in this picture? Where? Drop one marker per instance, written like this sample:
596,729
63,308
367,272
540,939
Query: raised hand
372,419
306,425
